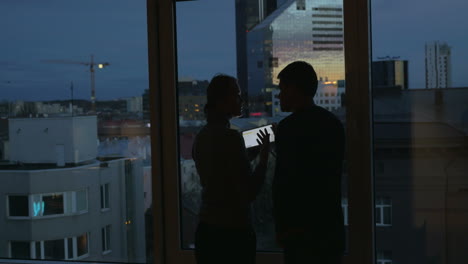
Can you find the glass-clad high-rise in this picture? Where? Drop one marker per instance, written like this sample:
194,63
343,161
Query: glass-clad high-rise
305,30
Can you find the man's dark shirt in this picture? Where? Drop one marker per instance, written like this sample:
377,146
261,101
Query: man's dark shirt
307,183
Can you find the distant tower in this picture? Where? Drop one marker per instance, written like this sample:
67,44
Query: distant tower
249,13
390,72
438,65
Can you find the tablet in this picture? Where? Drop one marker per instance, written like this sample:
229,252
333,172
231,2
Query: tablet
250,136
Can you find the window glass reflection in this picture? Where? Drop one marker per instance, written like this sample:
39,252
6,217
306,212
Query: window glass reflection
420,124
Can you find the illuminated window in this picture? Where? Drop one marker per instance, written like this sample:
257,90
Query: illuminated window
82,245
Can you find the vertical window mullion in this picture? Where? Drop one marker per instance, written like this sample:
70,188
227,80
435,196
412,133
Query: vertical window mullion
75,248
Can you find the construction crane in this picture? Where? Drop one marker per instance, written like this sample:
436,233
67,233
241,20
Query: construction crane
91,65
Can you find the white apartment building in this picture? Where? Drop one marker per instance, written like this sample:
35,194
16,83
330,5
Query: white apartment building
438,65
58,200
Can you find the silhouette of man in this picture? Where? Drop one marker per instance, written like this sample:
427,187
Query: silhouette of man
307,181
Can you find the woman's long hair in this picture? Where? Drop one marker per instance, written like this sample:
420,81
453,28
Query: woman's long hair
216,91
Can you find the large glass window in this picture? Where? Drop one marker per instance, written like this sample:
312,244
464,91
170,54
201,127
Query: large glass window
420,90
252,41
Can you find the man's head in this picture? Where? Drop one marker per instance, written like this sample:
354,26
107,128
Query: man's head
298,85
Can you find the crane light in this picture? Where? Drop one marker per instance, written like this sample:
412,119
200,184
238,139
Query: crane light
101,66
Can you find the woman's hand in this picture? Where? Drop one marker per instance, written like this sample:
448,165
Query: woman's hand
264,142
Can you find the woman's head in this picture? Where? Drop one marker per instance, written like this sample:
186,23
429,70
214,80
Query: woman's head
223,96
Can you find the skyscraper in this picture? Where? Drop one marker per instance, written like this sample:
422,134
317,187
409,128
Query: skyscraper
304,30
390,73
438,65
248,14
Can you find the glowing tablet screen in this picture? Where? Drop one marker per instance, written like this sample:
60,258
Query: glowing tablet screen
250,136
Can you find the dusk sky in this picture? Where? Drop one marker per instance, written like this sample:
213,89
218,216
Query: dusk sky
115,31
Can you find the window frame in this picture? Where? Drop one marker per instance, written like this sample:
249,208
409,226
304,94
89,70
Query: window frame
380,206
105,205
105,236
7,206
162,51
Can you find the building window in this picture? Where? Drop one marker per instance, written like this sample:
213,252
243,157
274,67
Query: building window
327,35
383,211
327,48
105,234
50,204
47,204
328,42
54,249
327,9
344,206
384,257
328,22
300,4
259,64
18,205
20,249
53,204
273,62
326,15
69,242
105,196
68,248
82,245
327,29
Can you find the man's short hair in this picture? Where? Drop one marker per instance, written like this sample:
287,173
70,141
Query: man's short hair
301,74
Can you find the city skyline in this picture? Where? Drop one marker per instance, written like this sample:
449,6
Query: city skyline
24,75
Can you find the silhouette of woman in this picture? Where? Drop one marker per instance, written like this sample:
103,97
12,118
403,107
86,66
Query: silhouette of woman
224,233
